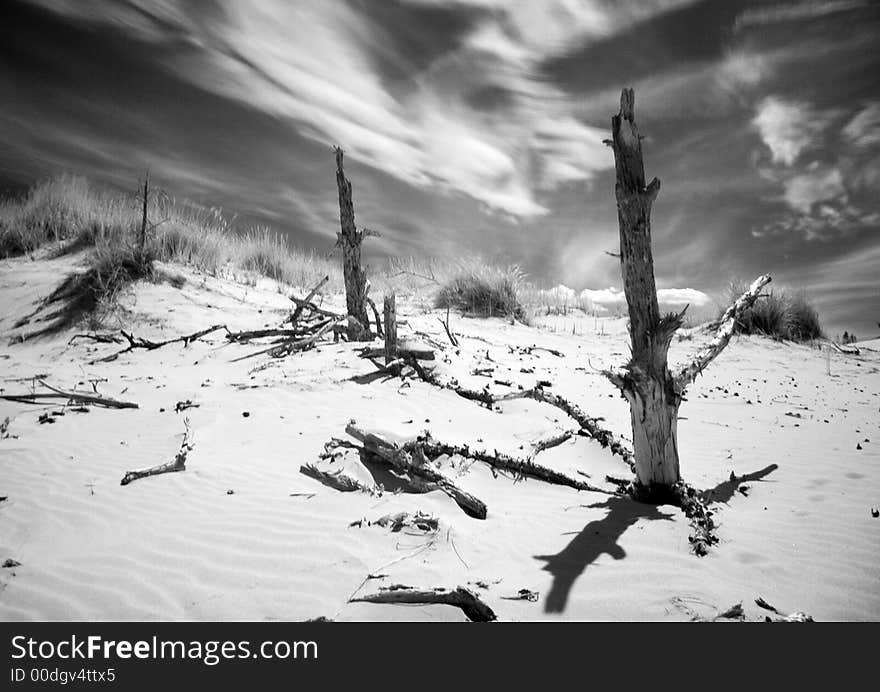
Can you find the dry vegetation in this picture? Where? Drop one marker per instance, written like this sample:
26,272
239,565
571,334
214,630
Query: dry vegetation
780,314
69,214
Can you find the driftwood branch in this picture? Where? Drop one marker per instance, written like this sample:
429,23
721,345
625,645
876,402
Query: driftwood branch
589,425
337,480
293,345
307,301
135,342
471,604
725,330
402,460
521,468
179,463
72,397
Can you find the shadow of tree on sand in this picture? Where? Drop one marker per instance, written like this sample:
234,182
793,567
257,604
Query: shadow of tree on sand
723,492
596,538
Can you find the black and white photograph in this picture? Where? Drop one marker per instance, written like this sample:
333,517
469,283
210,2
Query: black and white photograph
432,311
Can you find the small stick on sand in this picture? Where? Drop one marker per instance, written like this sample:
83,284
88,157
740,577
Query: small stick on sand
179,463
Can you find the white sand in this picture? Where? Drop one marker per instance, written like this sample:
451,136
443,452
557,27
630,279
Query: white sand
179,547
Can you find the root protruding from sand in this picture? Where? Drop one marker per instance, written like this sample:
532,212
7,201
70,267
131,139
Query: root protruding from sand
470,604
178,464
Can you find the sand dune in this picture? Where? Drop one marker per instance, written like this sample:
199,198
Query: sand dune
243,534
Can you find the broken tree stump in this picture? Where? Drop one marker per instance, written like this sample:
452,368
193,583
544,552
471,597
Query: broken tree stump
350,239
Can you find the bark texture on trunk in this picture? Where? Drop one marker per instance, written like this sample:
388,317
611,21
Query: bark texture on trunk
647,384
350,239
390,328
653,392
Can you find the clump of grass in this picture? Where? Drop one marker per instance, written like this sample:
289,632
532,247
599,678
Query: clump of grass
264,252
484,291
780,315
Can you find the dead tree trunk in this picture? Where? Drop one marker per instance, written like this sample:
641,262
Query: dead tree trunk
350,239
390,328
654,394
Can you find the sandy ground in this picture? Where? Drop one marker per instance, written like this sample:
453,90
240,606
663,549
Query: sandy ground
242,534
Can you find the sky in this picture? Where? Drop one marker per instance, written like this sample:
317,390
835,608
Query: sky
476,127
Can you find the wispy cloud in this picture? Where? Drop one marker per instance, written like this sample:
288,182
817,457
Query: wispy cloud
794,11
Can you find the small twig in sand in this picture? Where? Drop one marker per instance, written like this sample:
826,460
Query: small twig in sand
179,463
448,329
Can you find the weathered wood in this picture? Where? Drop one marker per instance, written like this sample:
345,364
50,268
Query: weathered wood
471,604
379,331
135,342
521,468
416,465
349,239
390,309
293,345
179,463
75,397
307,301
337,480
403,350
726,326
646,383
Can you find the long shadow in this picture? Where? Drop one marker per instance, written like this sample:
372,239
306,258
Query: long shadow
724,491
596,538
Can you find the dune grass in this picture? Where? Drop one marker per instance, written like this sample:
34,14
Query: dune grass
781,314
479,289
68,214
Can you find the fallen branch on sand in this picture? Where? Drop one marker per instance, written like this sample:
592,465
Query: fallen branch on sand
135,342
589,425
418,469
294,317
337,480
289,346
179,463
460,597
427,447
72,397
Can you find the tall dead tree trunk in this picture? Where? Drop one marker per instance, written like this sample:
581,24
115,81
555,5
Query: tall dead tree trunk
350,239
653,392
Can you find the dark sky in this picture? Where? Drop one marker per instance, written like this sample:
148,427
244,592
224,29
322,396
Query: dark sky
476,126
